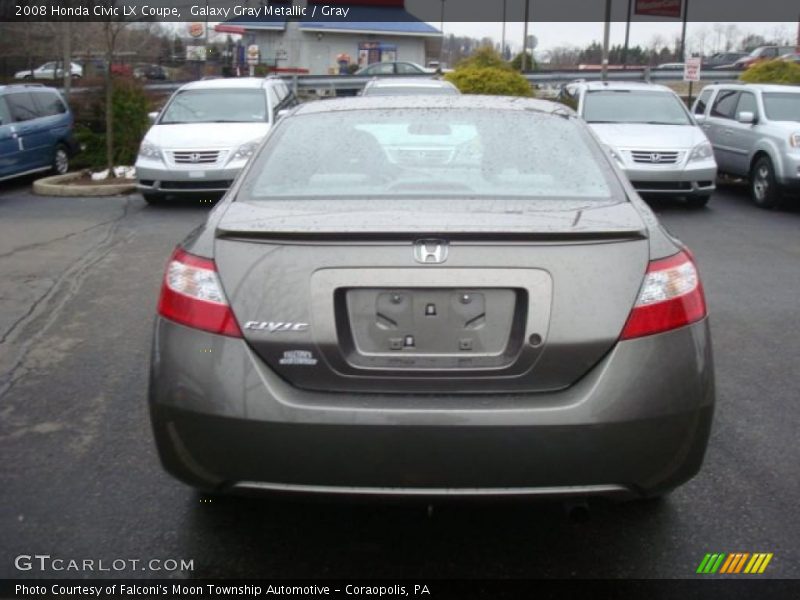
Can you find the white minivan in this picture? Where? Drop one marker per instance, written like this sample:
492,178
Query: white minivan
206,133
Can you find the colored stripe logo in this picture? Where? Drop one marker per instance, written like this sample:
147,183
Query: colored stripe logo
734,563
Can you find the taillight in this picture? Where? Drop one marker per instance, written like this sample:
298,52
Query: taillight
191,294
670,297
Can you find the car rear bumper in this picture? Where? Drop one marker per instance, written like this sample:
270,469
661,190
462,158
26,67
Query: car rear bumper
636,425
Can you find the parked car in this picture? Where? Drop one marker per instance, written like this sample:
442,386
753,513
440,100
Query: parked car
50,70
755,132
760,54
409,87
791,57
150,72
35,131
652,137
672,66
721,59
548,91
394,68
503,316
205,135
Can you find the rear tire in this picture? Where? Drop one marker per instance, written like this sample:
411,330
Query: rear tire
153,199
61,160
698,201
763,186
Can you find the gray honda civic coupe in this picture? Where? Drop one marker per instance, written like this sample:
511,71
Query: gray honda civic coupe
432,296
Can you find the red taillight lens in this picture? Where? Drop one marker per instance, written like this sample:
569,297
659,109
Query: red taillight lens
191,294
671,296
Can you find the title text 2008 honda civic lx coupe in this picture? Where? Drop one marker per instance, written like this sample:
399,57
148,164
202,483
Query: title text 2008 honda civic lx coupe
432,296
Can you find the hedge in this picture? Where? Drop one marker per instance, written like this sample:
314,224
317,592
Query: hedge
493,81
773,71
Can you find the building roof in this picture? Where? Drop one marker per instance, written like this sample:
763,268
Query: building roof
373,19
360,19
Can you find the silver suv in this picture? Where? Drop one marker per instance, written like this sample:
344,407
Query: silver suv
755,132
652,137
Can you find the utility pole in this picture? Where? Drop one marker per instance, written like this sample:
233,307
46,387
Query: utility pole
503,36
525,37
606,35
441,28
627,36
682,57
66,56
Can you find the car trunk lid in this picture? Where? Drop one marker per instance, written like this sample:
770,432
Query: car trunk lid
434,296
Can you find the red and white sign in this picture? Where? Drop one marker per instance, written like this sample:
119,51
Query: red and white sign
659,8
691,69
196,29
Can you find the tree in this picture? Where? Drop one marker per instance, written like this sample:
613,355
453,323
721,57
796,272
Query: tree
752,41
516,62
111,32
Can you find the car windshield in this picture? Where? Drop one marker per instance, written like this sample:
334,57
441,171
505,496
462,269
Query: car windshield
782,106
627,106
430,153
216,106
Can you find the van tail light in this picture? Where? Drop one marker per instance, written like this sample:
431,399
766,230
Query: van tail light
671,296
191,294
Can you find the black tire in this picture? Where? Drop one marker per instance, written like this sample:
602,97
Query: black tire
153,199
28,77
60,160
698,201
763,186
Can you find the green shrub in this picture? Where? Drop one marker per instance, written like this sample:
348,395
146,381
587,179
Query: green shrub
493,81
130,105
773,71
516,62
483,57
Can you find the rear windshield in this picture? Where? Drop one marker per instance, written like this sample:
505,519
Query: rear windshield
216,106
781,106
625,106
429,153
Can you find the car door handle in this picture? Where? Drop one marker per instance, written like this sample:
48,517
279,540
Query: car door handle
727,131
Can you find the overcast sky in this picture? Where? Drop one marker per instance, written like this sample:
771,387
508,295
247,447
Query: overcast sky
551,35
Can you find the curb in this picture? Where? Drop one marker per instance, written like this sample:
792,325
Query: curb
57,186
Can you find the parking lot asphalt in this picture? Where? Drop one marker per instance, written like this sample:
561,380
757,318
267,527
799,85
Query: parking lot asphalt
79,279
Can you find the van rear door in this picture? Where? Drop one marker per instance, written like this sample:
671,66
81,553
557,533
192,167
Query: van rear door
9,145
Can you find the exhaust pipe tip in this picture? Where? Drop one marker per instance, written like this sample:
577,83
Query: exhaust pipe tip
577,510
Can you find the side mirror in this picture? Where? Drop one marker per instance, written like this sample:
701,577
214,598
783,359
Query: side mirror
282,113
746,117
153,116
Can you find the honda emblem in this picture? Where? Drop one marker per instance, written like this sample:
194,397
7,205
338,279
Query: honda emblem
430,251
